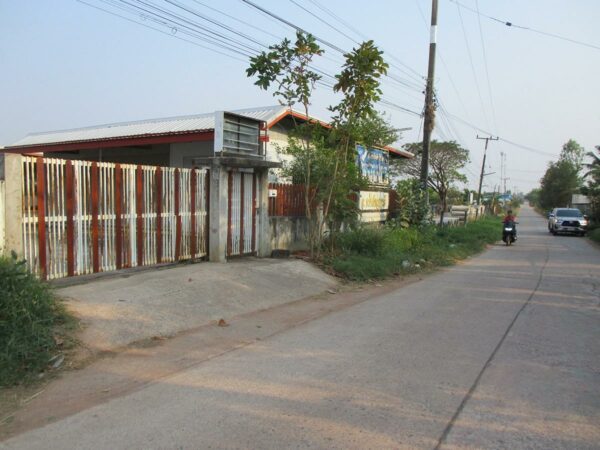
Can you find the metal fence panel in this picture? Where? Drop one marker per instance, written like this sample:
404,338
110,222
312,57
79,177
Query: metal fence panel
97,217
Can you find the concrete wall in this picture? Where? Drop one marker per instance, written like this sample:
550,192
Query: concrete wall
289,233
183,153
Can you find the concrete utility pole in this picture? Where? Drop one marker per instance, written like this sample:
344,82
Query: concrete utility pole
429,103
487,139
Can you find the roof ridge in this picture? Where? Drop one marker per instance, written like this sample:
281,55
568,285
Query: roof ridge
123,123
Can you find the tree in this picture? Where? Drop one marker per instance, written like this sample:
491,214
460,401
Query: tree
562,178
593,182
324,158
558,184
288,66
446,159
573,153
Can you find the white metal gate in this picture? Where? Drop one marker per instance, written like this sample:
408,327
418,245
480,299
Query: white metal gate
82,217
241,235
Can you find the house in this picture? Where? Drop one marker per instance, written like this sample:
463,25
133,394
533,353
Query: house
147,192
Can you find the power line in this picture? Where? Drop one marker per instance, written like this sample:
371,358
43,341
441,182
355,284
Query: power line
462,25
161,31
487,72
514,144
534,30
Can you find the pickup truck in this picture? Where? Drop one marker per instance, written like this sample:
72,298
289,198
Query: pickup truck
567,220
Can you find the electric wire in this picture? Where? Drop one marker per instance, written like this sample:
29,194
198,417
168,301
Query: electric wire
534,30
487,72
462,25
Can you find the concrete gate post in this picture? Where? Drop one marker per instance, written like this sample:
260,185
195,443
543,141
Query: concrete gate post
217,237
13,205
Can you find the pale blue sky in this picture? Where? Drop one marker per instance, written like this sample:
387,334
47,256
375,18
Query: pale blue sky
67,65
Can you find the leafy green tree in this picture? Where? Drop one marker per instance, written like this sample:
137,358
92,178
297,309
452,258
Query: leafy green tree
563,177
558,184
533,197
593,182
446,160
324,159
287,66
573,153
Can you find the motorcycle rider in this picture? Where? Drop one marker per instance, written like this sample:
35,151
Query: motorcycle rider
509,218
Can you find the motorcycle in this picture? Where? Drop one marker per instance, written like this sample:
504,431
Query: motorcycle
509,233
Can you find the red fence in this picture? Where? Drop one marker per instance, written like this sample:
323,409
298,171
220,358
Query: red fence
288,201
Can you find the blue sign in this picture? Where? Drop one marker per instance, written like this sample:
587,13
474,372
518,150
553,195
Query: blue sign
373,164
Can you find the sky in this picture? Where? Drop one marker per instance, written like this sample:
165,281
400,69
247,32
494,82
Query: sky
66,64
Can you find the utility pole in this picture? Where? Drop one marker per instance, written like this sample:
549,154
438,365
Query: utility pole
487,140
429,103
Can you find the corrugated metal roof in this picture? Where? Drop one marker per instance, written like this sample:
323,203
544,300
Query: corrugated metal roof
157,127
152,127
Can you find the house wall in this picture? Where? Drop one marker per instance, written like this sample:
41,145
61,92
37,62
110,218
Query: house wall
182,154
154,155
278,139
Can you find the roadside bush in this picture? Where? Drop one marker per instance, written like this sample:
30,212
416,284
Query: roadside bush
594,235
362,241
29,314
379,253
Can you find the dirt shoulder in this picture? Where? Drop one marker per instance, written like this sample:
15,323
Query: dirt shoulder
117,373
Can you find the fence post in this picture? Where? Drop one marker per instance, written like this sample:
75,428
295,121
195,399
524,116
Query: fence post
118,213
95,231
159,196
41,211
70,210
139,206
12,217
193,213
177,216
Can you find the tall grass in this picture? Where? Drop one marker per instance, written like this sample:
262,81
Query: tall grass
373,253
29,315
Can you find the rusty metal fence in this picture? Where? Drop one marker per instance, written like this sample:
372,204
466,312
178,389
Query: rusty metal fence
82,217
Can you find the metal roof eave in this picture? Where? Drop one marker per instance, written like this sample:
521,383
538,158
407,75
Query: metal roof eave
120,141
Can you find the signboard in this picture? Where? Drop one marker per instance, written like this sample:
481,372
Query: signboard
272,193
373,216
373,200
373,164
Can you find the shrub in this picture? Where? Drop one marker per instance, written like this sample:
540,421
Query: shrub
29,314
595,235
369,253
362,241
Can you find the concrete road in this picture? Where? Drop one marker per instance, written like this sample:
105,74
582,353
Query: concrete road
499,352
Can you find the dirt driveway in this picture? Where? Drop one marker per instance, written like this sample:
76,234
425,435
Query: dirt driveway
123,309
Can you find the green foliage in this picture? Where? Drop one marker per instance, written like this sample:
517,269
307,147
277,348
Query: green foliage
562,178
287,66
446,160
593,183
359,83
573,153
594,235
558,184
29,315
411,207
324,160
367,253
533,197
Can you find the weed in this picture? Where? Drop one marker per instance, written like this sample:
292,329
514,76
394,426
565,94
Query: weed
370,253
29,318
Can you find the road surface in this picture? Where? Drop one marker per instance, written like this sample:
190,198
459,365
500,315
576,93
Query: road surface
501,351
